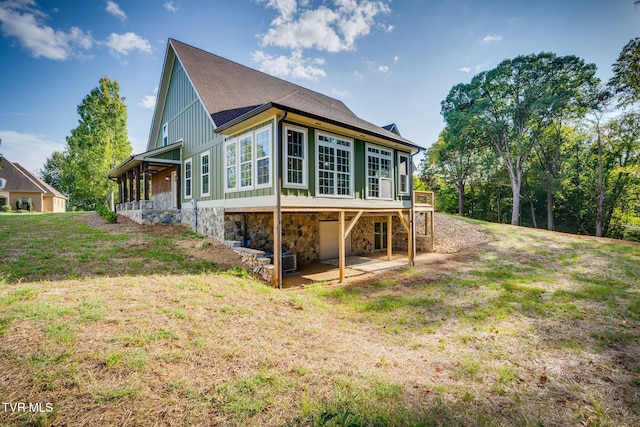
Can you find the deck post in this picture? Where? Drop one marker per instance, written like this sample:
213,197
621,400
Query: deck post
277,248
341,247
389,237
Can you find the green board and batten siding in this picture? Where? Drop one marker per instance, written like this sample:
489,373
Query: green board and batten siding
188,120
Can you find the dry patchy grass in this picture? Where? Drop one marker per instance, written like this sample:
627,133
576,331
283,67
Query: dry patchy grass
531,329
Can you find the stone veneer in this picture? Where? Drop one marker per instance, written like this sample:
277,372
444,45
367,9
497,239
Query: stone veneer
210,221
300,233
147,213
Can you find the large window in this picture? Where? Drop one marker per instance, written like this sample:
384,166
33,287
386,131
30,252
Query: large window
379,175
204,170
187,178
295,158
248,160
334,166
403,174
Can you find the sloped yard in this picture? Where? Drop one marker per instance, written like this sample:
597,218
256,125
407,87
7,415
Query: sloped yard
134,325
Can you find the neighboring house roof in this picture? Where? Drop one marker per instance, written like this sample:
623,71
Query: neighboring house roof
19,179
232,93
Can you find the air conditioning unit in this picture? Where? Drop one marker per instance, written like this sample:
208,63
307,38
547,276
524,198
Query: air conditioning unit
289,262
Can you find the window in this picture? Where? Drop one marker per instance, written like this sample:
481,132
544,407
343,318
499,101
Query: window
248,160
379,177
380,234
295,162
165,134
263,157
334,166
403,174
187,178
204,170
232,180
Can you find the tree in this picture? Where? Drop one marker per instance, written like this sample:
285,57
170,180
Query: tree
625,82
512,104
96,146
51,172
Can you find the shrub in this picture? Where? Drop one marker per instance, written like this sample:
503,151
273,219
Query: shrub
632,233
110,216
6,208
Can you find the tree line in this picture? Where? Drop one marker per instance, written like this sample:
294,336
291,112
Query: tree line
541,141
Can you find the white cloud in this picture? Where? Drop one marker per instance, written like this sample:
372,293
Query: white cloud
341,93
126,43
171,6
383,68
28,149
326,29
114,9
23,20
464,69
396,58
149,101
489,38
358,75
293,66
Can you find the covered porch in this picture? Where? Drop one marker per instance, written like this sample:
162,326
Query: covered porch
149,189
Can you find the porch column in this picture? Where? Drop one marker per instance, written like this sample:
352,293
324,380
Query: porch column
341,247
411,236
145,178
138,174
178,187
130,194
120,189
389,237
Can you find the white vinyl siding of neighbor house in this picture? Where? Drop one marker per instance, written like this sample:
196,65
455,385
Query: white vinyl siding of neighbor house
247,160
334,174
295,157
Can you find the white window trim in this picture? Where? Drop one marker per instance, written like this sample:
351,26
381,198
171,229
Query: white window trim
165,134
380,156
190,162
268,184
351,164
305,158
228,189
408,156
208,193
254,161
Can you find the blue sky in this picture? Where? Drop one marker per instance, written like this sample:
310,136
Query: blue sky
389,61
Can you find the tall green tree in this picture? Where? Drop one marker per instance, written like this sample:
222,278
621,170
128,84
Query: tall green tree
625,82
51,171
512,104
97,145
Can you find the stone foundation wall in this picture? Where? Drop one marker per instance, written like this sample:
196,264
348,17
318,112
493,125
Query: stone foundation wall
210,221
162,201
153,217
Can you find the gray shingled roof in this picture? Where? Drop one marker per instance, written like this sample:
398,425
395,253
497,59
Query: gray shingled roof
230,90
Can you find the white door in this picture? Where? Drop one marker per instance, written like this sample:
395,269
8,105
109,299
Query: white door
329,238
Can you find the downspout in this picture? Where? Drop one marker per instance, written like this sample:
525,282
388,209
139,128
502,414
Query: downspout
278,217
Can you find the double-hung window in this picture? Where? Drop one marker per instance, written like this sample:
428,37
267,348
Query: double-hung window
335,168
248,160
295,157
187,178
204,172
403,174
379,173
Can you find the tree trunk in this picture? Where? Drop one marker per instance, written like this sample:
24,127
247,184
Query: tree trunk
515,213
499,208
600,211
550,223
533,212
460,188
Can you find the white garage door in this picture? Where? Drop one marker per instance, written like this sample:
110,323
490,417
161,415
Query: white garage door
329,237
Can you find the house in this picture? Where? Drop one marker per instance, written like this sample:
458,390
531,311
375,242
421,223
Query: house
20,188
243,156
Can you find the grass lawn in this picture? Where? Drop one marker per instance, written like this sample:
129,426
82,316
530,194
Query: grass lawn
104,327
